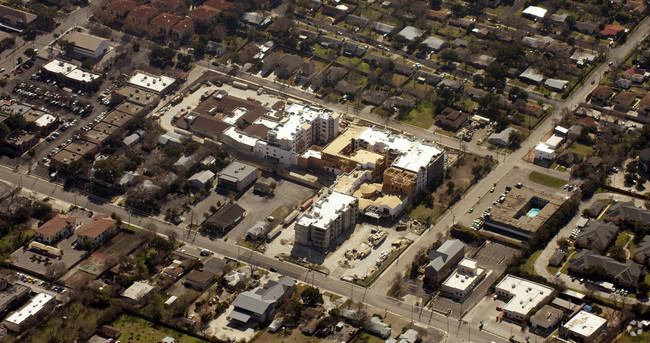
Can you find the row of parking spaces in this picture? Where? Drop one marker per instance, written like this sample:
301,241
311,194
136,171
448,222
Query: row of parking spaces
30,280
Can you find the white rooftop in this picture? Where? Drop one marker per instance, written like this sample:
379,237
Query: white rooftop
82,75
463,278
34,306
562,130
311,153
60,67
236,114
554,141
585,324
525,294
298,115
326,210
535,11
137,290
544,148
45,120
241,137
266,122
413,154
154,83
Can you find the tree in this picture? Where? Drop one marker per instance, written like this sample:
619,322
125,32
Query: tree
515,138
563,243
161,57
435,4
643,288
107,170
596,272
360,318
641,180
31,53
517,93
87,245
311,296
629,178
458,10
450,187
618,253
66,45
449,55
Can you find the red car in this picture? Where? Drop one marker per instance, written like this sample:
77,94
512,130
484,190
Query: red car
499,308
26,66
18,71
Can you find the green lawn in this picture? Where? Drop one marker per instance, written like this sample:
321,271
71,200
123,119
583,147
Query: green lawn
546,180
421,116
367,338
626,338
529,266
288,336
581,149
136,329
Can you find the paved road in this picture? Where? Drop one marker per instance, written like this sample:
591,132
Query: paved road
377,300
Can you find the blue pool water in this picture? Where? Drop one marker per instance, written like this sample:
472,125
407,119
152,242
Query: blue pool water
533,212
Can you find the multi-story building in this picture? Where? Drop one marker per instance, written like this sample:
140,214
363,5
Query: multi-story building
119,9
30,313
56,228
460,284
524,296
332,215
97,231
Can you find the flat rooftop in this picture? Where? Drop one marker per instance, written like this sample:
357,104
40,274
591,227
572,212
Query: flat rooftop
117,118
130,108
137,95
461,279
585,323
525,294
34,306
299,115
515,211
326,210
157,84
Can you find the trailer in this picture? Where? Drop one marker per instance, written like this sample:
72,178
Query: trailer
306,205
290,218
240,85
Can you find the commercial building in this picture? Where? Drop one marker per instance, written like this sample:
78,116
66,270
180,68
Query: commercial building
546,318
443,259
237,176
71,75
10,295
159,85
584,326
329,219
88,46
226,217
137,292
524,296
460,284
97,231
56,228
29,314
259,307
522,212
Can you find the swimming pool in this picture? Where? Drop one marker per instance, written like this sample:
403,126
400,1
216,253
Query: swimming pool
533,212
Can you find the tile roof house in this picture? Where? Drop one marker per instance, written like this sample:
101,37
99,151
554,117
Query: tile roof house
639,7
624,100
625,274
56,228
611,30
183,29
601,94
444,258
170,5
97,231
162,24
120,8
218,5
438,15
626,212
203,14
642,251
635,74
261,305
451,119
139,17
596,235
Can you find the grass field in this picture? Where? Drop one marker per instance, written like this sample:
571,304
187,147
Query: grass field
135,329
529,266
421,116
367,338
292,336
643,338
581,149
546,180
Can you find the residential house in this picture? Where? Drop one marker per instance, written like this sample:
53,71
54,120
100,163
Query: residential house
97,231
372,97
398,102
170,5
557,258
601,94
356,20
643,107
259,307
163,23
440,16
625,212
184,29
119,9
531,75
255,19
644,159
582,58
434,43
199,280
429,78
461,22
411,33
596,235
378,328
349,48
482,61
335,12
595,162
382,28
330,42
203,14
624,100
138,292
611,30
139,17
569,158
556,85
404,69
636,75
642,251
454,85
305,71
530,109
623,83
15,19
201,179
56,228
586,27
625,274
218,5
444,259
636,7
451,119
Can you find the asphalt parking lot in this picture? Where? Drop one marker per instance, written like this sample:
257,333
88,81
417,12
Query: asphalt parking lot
258,207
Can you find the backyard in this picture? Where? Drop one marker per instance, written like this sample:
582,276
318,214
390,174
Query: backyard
546,180
136,329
